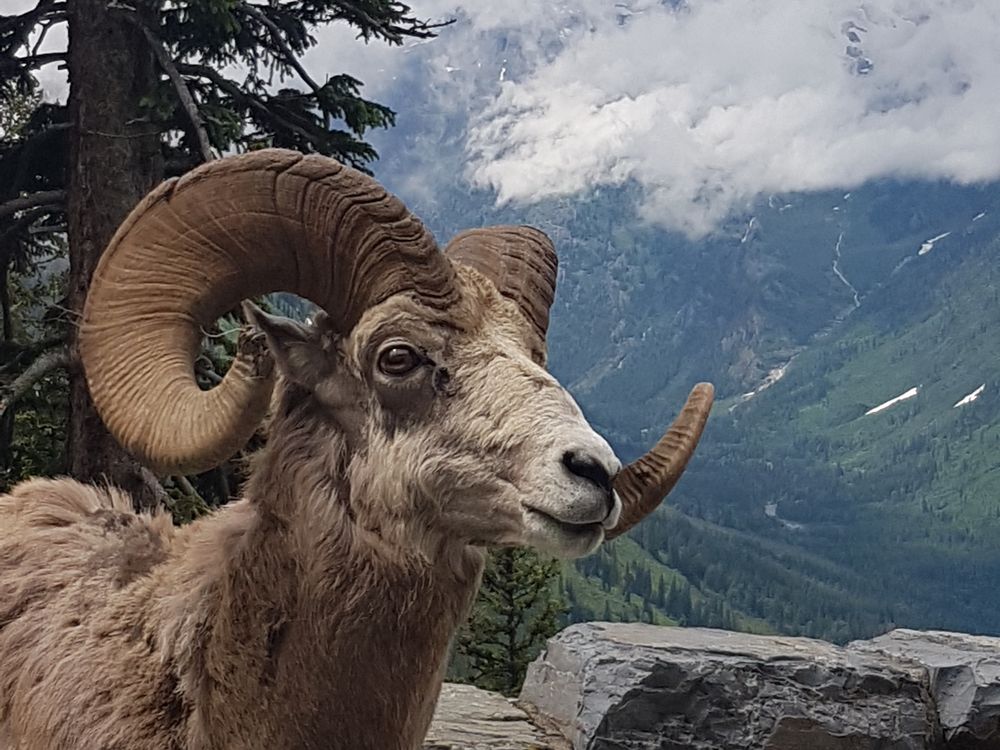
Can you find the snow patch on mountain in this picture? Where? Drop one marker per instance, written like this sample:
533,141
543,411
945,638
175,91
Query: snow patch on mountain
929,244
893,401
971,397
772,377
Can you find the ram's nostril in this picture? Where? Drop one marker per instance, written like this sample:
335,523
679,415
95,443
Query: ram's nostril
587,467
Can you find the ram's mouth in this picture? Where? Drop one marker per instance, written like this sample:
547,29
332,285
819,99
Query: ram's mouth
565,527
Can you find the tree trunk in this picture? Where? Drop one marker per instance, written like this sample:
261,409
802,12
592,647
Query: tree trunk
115,160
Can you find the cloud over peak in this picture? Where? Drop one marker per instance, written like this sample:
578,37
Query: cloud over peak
718,101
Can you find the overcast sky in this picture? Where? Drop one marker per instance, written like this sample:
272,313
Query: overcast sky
709,105
720,101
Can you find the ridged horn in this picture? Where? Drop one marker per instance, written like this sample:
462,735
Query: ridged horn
522,264
267,221
644,483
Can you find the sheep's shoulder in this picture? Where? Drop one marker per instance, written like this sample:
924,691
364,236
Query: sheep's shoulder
77,572
57,532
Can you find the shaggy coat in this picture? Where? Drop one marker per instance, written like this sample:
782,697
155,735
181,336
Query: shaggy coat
242,630
413,424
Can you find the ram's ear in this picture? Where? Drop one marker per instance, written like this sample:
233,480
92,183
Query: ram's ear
299,350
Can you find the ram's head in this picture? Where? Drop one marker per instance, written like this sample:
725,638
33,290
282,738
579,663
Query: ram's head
430,364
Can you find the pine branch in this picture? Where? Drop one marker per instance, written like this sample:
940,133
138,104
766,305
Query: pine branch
47,229
180,86
162,498
24,221
46,25
290,58
40,198
19,26
233,89
12,351
46,362
389,31
29,17
30,62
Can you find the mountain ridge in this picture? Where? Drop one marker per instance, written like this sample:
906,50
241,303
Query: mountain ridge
792,307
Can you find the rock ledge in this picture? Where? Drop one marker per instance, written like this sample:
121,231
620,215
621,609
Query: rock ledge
602,686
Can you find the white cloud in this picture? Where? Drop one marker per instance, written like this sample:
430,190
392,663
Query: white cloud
712,105
706,105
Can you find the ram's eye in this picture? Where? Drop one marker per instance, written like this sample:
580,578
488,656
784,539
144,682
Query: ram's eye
398,359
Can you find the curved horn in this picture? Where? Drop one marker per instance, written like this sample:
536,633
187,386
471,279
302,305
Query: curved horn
644,483
266,221
521,262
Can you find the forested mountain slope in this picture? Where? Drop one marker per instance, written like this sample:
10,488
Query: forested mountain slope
804,509
906,496
800,513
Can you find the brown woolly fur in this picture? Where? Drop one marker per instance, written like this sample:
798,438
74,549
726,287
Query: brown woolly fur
316,612
412,423
244,630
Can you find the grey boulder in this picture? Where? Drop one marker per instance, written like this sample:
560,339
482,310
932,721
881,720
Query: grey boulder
639,687
468,718
964,675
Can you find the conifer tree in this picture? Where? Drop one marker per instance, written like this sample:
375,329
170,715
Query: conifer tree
156,87
516,611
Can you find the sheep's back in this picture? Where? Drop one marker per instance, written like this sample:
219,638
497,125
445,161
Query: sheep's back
70,556
54,532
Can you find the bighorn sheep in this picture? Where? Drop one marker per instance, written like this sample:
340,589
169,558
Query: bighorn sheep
412,424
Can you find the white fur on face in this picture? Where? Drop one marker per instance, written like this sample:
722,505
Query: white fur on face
501,475
565,514
483,446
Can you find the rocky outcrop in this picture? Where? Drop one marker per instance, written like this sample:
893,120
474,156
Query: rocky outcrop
468,718
601,686
639,687
964,676
644,687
